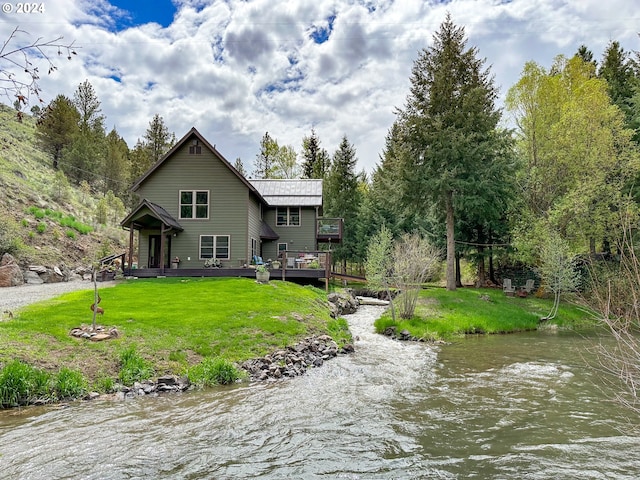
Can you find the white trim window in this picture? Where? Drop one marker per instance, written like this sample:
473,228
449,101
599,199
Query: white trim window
255,247
282,247
288,216
194,204
215,246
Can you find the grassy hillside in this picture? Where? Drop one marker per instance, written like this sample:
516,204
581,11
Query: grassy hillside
39,221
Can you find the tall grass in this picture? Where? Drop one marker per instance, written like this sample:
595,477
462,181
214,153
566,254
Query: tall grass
134,368
213,371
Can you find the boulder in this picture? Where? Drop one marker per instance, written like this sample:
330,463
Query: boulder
11,275
32,278
7,259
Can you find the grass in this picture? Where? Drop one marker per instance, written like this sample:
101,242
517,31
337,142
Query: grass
443,315
166,326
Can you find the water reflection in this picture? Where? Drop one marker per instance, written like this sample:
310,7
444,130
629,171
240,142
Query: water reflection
514,406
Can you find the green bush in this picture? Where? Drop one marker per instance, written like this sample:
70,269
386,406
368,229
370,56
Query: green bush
71,234
70,384
41,227
21,384
104,384
133,368
213,371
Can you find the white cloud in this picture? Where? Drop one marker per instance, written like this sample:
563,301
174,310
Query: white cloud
236,69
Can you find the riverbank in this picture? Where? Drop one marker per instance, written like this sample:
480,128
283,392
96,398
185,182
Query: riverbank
443,315
168,328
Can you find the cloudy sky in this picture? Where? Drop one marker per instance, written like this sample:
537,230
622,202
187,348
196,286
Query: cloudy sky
237,68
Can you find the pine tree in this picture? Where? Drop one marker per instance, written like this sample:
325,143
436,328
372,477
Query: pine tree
157,139
57,127
316,160
450,122
239,166
116,164
342,197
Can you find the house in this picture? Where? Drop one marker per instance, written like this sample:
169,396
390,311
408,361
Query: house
196,207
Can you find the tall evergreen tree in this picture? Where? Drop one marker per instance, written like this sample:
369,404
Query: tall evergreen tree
57,127
88,105
116,165
342,198
316,160
157,139
450,123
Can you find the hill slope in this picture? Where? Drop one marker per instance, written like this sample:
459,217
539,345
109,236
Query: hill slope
40,222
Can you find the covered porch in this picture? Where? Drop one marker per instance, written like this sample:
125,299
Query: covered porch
158,227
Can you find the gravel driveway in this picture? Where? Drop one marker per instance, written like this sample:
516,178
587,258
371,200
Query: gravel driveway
13,298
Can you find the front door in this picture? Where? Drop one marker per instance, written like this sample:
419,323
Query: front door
154,251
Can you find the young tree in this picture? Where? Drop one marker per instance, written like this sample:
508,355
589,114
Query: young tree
264,165
57,127
379,264
450,122
87,103
558,269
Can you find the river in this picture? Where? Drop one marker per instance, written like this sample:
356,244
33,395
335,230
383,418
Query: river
522,406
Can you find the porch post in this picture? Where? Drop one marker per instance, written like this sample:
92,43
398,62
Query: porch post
131,249
162,242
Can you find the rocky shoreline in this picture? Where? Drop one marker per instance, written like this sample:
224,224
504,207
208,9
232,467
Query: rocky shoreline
292,361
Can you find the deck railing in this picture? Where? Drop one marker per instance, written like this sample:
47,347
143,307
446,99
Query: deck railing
329,229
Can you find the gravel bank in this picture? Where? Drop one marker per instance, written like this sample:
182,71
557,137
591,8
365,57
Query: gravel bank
13,298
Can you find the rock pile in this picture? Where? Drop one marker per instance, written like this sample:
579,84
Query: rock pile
100,333
342,303
148,387
296,359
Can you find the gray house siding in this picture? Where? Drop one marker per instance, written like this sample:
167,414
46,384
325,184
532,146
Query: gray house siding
228,198
299,238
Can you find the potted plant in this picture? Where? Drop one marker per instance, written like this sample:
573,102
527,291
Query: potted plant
262,274
275,264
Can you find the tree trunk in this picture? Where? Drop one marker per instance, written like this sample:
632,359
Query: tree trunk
492,271
482,275
592,246
458,271
451,245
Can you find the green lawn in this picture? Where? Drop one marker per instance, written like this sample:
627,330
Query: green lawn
442,315
172,323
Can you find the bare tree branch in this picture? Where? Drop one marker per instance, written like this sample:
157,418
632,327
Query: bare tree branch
19,76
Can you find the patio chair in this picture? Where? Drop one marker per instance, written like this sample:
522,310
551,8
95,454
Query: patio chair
529,286
507,288
257,260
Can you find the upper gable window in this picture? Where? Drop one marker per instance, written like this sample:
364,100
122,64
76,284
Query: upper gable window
194,204
288,216
195,148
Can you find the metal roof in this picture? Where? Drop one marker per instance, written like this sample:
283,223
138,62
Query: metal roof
298,192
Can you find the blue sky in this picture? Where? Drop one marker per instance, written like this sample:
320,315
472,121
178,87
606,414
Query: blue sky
237,68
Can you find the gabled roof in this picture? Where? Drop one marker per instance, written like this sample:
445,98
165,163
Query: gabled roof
190,134
292,193
156,212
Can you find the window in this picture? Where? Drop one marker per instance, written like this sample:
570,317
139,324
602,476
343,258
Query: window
194,204
195,148
282,247
288,216
215,246
254,248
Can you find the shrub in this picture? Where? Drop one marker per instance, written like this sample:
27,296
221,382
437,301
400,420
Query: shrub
133,368
213,371
70,384
104,384
41,227
71,234
24,222
21,384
